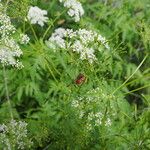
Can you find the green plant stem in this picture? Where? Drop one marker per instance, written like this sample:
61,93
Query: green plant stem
135,111
131,82
6,4
130,75
7,92
35,36
49,27
45,33
52,64
24,26
51,72
138,89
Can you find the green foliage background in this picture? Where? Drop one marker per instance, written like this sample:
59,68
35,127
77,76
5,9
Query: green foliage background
42,92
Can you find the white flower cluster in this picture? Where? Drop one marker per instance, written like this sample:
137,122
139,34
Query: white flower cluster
81,41
93,107
8,51
75,9
98,118
37,16
14,135
6,27
24,39
9,48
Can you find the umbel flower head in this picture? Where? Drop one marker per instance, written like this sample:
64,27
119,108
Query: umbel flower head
92,106
37,16
81,41
75,9
14,135
9,48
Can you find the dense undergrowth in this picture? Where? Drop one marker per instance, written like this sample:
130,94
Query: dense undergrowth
82,79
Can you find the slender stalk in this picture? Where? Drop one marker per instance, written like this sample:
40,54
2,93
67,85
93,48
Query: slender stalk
138,89
51,72
135,111
50,62
35,36
45,33
7,92
130,75
49,27
131,82
6,4
24,25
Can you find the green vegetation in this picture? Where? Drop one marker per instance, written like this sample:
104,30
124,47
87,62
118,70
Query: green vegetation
64,98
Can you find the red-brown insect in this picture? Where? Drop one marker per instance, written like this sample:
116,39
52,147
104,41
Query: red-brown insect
80,79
